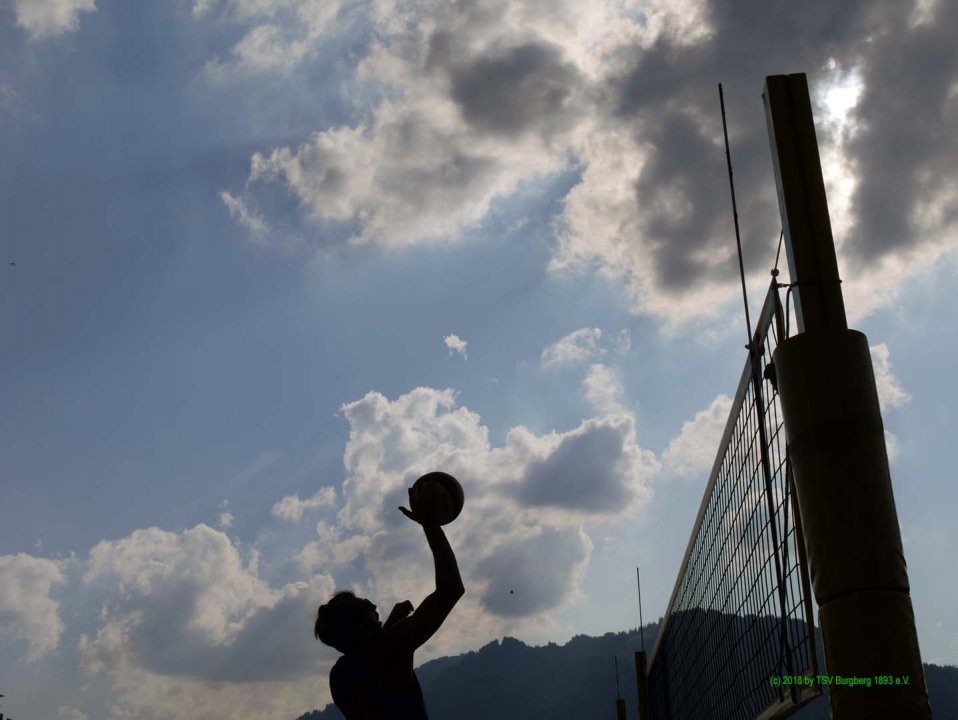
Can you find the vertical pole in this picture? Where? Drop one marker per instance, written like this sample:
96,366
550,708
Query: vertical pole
641,668
642,682
619,702
738,239
836,447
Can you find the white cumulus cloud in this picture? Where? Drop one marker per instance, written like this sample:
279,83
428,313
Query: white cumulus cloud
692,452
188,604
603,389
26,609
892,446
225,517
49,18
579,346
292,508
526,505
891,394
281,35
584,345
456,345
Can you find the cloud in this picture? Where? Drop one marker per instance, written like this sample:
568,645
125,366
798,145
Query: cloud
201,7
449,135
534,575
692,452
239,211
70,713
187,626
648,211
392,443
477,98
603,389
291,507
10,103
44,19
892,446
456,345
26,609
225,517
334,549
511,90
891,394
310,557
582,346
594,469
533,486
905,195
282,33
579,346
186,605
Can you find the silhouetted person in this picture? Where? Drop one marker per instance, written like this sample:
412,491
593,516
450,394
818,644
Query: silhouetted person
375,680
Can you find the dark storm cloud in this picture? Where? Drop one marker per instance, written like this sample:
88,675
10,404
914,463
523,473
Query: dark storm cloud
511,90
908,139
702,207
585,472
670,97
539,572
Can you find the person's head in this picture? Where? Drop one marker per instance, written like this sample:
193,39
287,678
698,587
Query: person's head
348,623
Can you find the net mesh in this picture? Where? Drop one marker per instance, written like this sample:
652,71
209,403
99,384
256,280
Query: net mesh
740,613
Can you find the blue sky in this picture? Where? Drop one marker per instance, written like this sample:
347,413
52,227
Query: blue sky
274,258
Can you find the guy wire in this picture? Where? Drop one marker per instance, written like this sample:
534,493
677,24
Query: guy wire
738,240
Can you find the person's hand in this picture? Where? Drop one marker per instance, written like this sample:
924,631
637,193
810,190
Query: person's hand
402,609
399,611
427,515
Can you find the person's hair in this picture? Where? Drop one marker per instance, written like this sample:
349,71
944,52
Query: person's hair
336,619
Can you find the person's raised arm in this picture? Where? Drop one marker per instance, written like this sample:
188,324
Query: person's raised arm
431,613
448,580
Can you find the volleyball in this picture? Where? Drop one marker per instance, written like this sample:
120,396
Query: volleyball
440,492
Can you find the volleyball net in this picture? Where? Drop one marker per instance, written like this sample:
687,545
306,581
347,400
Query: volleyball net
737,640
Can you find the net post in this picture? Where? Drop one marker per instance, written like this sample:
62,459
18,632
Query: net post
806,225
836,445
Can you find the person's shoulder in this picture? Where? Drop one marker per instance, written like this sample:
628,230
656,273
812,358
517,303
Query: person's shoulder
397,629
344,684
398,636
346,667
338,680
338,669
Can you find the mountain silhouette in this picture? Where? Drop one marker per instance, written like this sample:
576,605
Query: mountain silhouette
509,680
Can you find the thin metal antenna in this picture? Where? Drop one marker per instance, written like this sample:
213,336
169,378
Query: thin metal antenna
641,631
738,240
618,695
778,252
